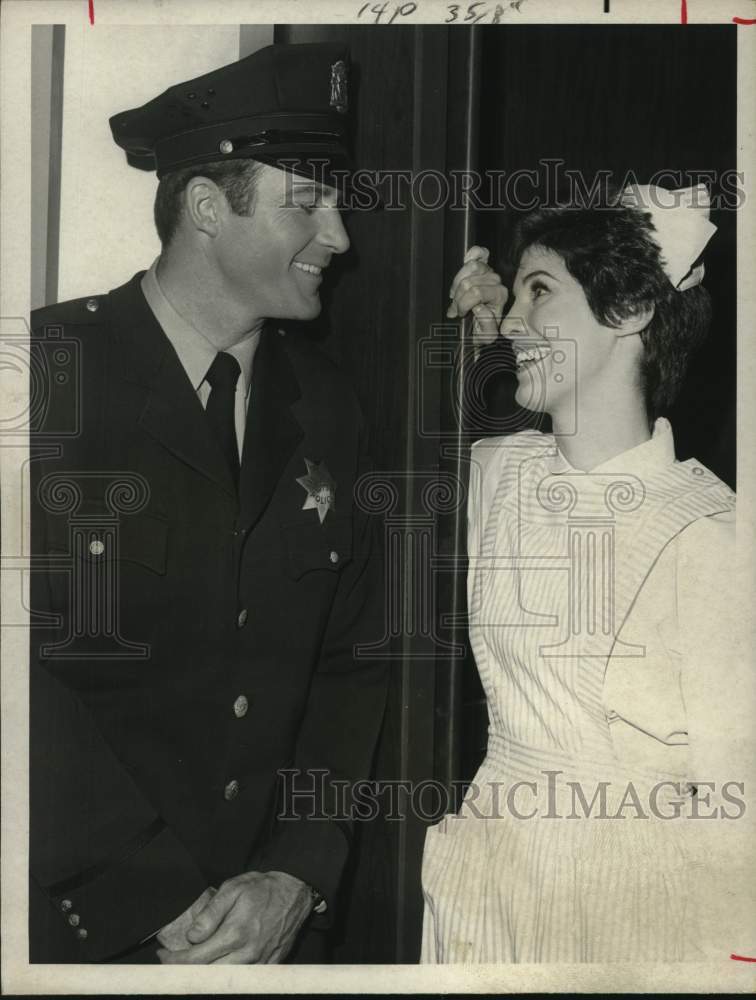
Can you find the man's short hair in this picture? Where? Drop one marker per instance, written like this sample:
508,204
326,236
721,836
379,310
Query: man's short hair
612,252
236,178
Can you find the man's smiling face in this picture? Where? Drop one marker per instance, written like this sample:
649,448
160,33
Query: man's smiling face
272,261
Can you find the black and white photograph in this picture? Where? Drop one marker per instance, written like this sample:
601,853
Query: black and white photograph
378,496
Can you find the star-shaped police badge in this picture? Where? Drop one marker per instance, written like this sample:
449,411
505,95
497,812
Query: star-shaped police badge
321,488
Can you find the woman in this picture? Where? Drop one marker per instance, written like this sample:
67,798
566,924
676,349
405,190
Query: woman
607,674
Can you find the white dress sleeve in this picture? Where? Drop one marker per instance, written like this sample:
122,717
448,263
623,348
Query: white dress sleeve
719,694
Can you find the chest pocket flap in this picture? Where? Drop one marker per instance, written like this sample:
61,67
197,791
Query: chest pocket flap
314,546
142,539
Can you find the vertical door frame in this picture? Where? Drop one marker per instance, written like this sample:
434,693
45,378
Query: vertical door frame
461,155
48,55
426,302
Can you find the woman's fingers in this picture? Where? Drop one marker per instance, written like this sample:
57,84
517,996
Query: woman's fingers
477,253
477,287
472,268
484,289
476,284
486,325
475,262
481,289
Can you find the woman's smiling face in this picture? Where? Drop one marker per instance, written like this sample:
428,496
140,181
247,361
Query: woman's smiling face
559,345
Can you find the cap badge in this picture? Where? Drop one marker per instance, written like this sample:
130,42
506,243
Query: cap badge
320,487
339,99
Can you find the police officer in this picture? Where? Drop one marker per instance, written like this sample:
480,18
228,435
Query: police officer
196,696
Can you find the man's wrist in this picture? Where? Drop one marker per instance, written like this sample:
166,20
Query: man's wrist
319,904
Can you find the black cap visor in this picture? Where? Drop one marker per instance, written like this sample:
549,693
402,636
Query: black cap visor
279,136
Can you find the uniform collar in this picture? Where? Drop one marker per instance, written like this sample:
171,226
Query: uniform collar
195,352
651,456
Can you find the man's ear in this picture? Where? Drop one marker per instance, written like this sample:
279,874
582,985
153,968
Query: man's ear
636,322
203,201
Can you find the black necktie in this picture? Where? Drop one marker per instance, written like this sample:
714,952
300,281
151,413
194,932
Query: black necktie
222,375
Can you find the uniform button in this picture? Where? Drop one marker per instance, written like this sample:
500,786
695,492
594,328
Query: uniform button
241,706
74,920
241,619
226,146
96,547
81,934
66,905
93,305
231,790
334,557
697,470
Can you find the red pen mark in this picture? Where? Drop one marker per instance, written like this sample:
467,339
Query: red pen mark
742,958
91,11
684,12
745,20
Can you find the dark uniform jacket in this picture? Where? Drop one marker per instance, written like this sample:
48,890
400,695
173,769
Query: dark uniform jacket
187,646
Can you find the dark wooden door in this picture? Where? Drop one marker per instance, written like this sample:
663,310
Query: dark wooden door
380,322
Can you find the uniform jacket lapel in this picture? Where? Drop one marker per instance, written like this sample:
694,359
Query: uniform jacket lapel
272,432
172,414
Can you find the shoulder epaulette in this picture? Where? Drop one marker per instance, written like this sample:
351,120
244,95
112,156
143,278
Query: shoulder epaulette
87,311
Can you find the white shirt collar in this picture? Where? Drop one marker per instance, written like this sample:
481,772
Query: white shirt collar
651,456
195,352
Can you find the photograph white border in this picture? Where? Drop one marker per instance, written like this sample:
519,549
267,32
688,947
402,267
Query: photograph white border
15,51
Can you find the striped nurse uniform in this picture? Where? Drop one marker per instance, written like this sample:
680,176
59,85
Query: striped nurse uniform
582,623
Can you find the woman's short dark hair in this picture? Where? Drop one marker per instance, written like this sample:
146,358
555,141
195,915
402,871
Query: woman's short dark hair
611,251
236,178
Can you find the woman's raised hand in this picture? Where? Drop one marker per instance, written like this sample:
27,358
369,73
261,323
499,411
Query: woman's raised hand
477,287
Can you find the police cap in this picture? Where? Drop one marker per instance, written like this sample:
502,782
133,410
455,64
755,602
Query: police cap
286,105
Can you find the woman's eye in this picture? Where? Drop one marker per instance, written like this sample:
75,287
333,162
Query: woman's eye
537,289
